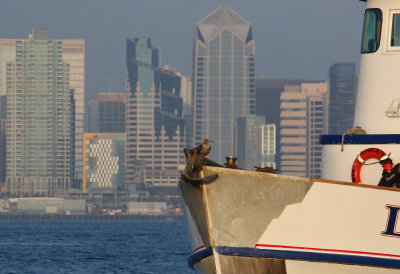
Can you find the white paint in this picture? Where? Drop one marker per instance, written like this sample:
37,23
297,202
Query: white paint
337,165
302,267
379,79
378,86
195,238
336,217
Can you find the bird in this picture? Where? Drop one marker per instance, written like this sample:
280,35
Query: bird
191,161
205,147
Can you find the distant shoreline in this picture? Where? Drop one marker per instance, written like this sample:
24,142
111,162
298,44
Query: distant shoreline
88,217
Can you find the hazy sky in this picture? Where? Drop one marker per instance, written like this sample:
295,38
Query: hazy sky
294,38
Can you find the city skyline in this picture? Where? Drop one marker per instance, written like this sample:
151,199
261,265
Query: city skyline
292,46
224,89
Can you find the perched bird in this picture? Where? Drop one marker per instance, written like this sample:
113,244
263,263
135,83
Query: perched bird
191,161
205,147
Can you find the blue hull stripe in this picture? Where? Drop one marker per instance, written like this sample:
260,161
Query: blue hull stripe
196,257
295,255
367,139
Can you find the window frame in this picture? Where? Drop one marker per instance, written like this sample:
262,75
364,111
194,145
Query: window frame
390,31
378,31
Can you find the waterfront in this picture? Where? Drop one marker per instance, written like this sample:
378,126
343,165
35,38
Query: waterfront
94,247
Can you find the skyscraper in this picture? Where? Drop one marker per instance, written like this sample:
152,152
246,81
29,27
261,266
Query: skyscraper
268,92
155,126
40,118
303,119
268,145
248,139
107,113
72,52
342,96
223,78
3,151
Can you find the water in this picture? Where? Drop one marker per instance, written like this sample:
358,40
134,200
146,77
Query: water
93,247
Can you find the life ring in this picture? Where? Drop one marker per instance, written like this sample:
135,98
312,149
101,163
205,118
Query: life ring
366,154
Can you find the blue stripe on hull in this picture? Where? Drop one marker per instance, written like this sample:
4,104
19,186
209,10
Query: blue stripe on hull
196,257
309,256
367,139
294,255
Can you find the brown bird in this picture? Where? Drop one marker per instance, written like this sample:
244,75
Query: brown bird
191,161
205,147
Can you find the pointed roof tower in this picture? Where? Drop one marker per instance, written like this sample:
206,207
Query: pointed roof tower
221,18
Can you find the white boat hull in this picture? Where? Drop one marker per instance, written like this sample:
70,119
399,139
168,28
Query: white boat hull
280,224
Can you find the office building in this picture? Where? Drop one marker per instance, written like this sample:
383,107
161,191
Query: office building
342,96
248,136
3,151
303,119
255,142
187,97
223,78
268,145
71,52
103,162
40,120
268,93
107,113
155,126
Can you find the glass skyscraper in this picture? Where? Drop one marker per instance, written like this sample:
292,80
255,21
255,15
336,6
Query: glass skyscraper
39,119
342,97
223,78
155,126
71,52
248,140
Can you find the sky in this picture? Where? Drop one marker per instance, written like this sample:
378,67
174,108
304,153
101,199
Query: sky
295,39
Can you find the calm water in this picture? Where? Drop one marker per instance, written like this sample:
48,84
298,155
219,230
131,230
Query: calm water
93,247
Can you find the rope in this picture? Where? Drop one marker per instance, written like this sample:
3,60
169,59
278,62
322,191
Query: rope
380,162
354,131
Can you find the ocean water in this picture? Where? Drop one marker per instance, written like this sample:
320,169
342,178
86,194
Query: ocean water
93,247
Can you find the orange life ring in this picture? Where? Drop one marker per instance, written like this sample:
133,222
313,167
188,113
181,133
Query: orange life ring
366,154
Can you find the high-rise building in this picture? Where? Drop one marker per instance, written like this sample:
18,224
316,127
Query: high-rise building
186,94
268,92
342,96
7,54
303,119
40,118
3,151
155,126
268,145
107,113
255,142
223,78
72,52
103,162
248,134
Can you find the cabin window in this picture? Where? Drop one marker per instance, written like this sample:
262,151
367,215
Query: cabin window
395,37
372,30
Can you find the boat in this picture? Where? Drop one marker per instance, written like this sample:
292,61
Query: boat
255,222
